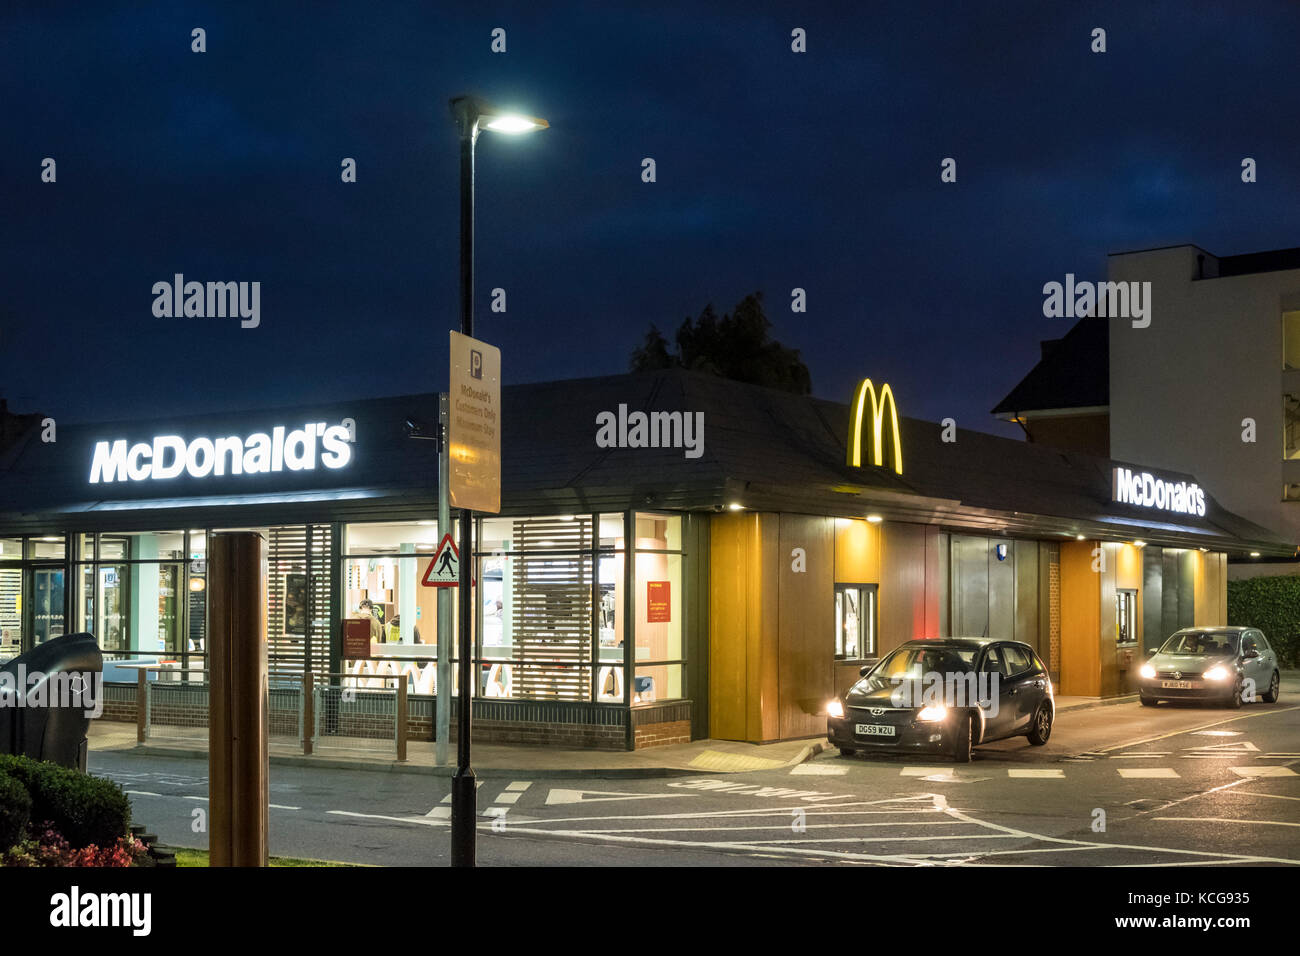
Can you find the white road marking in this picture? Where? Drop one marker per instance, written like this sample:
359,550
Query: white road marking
518,786
1193,730
1263,771
1148,773
1253,793
380,816
1271,823
1143,753
1052,774
1236,747
561,796
925,771
818,769
1217,733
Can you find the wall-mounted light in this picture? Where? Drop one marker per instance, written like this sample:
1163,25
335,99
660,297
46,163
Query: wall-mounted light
875,519
1139,544
1078,537
736,506
1254,554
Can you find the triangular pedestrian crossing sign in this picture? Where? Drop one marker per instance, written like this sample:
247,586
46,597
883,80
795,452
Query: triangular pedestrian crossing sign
444,570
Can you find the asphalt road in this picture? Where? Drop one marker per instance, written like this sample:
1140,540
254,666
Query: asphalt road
1180,786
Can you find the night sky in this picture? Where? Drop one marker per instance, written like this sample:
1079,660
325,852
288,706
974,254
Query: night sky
775,170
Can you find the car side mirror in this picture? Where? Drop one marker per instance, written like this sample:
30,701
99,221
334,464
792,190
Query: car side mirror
1250,653
1152,651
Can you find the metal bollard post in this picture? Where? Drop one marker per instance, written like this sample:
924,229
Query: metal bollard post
401,716
308,711
141,703
238,749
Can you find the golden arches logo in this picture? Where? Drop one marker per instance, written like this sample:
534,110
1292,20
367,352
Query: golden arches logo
864,391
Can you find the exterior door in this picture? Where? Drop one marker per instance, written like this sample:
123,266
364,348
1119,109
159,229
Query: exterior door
46,617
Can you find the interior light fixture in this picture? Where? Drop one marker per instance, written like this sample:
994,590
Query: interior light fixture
736,506
875,519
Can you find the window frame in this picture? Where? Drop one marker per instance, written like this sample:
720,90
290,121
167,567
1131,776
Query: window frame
864,654
1131,595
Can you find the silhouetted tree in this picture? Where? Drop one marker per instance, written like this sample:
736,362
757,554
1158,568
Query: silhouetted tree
737,346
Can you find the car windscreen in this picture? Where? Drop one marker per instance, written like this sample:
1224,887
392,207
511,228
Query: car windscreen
914,663
1210,643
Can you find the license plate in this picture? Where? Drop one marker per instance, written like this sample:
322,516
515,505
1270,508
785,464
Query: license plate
1180,684
874,730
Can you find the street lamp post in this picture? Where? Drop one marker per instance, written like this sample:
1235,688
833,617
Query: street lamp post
470,113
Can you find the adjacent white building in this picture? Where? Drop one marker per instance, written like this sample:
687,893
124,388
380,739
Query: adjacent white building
1207,383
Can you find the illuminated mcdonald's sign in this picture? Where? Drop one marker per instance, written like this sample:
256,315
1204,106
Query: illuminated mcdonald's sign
864,391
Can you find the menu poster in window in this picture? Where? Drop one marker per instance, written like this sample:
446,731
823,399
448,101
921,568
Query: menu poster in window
295,604
658,603
356,639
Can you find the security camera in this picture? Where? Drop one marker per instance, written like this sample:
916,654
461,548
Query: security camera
718,509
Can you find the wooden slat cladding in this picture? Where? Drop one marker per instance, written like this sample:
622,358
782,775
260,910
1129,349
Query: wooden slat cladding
552,608
299,603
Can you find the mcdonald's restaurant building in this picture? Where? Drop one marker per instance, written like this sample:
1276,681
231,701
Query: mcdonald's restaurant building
647,582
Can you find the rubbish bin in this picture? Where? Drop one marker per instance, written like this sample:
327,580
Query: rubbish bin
47,697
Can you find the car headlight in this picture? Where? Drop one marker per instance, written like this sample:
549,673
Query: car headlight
1218,672
835,709
1147,671
933,712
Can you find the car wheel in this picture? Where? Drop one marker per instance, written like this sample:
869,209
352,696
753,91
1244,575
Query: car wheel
961,739
1041,728
1234,700
847,751
1274,689
1148,701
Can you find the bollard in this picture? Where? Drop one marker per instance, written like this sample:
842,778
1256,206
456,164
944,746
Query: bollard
141,703
308,711
402,705
238,751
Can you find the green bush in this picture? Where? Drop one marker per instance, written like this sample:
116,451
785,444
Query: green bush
1273,605
86,810
15,811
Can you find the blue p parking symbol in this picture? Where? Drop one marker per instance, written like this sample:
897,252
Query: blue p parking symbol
475,363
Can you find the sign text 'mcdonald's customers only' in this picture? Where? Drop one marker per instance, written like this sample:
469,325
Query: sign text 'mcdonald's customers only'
170,456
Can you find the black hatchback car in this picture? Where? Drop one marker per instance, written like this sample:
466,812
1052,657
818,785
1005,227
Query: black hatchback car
945,696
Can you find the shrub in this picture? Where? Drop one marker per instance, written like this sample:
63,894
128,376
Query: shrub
49,848
86,810
15,811
1271,604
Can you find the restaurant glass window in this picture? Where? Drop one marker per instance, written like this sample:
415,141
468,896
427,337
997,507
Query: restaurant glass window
11,599
47,548
1290,426
1125,617
658,649
543,610
1290,340
386,609
383,565
855,621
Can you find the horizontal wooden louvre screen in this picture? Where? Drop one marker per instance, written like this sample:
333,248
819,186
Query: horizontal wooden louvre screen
552,608
299,603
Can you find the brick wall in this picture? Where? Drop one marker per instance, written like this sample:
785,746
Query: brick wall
569,736
662,734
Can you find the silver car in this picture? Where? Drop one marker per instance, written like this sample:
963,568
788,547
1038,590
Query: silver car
1226,665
